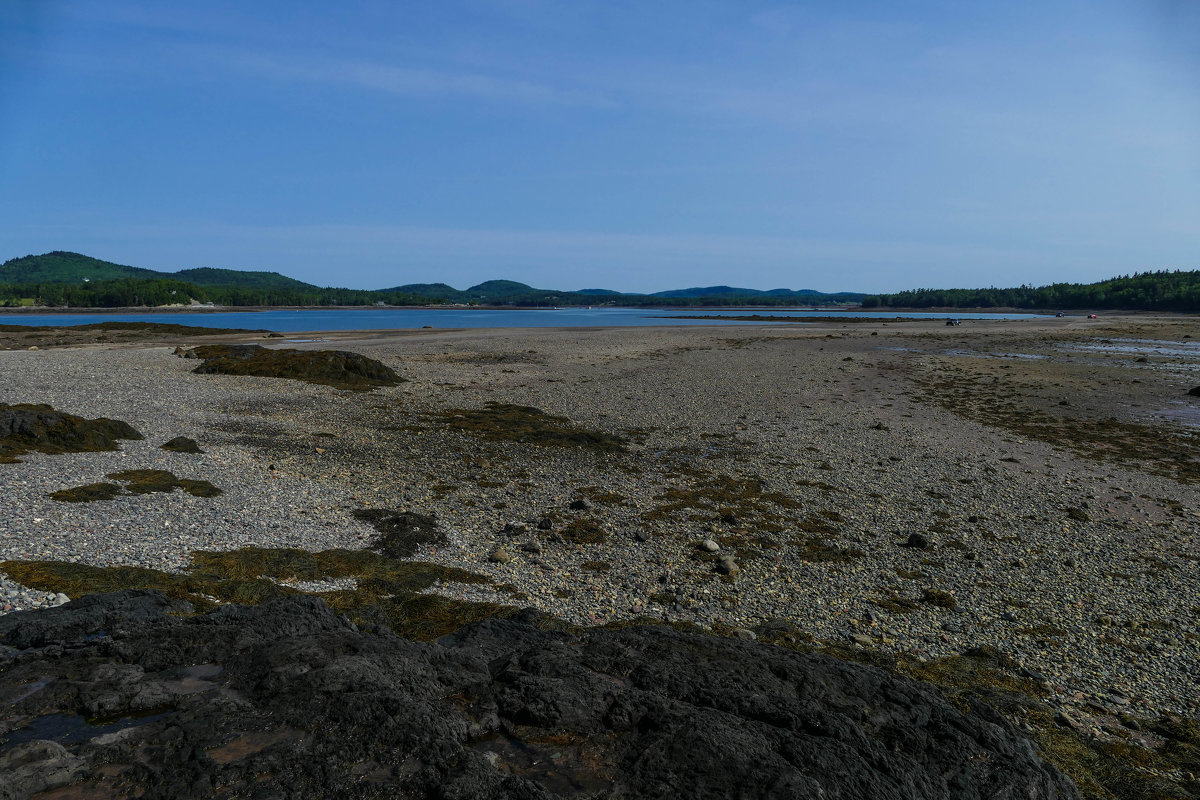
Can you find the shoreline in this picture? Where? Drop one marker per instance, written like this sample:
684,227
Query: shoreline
811,455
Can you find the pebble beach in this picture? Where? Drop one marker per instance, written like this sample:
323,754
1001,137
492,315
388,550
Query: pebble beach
900,486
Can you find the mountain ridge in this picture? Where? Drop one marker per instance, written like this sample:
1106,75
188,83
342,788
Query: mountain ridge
239,287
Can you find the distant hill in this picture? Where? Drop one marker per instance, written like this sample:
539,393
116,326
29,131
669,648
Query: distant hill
63,267
70,279
209,276
806,295
425,289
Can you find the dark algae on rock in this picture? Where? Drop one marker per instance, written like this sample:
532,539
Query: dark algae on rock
36,427
338,368
288,699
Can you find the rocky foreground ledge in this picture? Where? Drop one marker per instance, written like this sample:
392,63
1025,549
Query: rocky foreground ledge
126,695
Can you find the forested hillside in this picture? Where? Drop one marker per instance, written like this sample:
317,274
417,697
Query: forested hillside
1151,291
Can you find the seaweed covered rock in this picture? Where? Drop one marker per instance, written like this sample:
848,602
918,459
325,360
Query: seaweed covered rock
338,368
36,427
288,699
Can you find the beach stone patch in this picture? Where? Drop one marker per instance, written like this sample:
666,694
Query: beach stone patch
337,368
37,427
182,444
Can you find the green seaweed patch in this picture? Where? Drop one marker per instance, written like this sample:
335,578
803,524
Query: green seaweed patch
939,598
584,530
37,427
338,368
182,444
88,493
147,481
724,497
516,423
820,550
388,591
402,531
138,481
896,604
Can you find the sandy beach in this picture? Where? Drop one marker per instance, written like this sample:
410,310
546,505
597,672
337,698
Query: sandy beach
901,486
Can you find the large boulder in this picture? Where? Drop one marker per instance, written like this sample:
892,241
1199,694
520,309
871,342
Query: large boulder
338,368
29,427
289,699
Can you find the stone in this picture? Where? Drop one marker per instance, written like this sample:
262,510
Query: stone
545,524
861,640
579,505
500,556
918,541
727,566
709,546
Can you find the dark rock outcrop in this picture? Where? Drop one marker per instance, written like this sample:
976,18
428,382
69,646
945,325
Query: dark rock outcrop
289,700
30,427
338,368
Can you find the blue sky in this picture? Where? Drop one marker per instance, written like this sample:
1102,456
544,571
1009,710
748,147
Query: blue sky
640,145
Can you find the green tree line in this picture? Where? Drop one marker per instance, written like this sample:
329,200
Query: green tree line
125,292
1164,290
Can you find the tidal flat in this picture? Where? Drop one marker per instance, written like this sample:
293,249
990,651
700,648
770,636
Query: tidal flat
886,491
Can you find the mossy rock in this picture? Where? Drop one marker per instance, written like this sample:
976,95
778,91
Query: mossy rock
182,444
36,427
337,368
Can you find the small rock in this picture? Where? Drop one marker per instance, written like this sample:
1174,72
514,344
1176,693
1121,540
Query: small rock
1066,720
640,536
500,556
709,546
61,599
861,640
514,528
545,524
727,566
745,633
531,547
33,347
579,505
917,540
1008,616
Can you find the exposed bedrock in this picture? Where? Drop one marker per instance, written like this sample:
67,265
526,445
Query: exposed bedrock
287,699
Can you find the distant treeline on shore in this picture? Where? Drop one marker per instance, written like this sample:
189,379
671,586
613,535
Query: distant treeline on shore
69,279
61,279
1150,291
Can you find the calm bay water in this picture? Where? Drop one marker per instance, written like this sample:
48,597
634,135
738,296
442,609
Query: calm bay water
289,321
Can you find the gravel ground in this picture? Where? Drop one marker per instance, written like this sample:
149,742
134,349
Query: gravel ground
811,454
